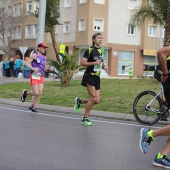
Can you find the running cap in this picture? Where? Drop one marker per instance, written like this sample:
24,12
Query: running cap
42,45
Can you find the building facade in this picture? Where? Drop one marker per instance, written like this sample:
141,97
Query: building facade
126,46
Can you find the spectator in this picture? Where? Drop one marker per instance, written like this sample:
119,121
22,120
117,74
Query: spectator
11,67
130,73
17,65
7,69
27,71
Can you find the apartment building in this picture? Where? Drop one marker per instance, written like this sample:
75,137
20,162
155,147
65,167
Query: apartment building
126,46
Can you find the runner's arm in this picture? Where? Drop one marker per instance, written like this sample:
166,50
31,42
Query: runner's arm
28,63
84,62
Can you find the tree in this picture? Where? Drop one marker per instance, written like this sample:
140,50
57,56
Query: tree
152,10
64,64
67,67
5,25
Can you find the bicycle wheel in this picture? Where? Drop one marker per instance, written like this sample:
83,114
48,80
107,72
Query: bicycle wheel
146,108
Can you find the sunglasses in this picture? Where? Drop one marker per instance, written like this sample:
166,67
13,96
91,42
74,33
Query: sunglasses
95,35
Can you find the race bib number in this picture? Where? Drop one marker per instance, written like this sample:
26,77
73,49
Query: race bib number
36,76
98,67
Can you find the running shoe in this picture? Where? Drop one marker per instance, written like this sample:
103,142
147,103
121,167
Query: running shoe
77,104
162,162
145,140
86,121
31,109
24,95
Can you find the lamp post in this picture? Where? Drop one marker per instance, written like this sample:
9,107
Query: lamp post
41,21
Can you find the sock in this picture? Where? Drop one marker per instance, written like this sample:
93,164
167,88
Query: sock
159,156
85,118
32,106
149,133
81,101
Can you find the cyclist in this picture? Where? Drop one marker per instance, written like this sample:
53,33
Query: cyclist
148,135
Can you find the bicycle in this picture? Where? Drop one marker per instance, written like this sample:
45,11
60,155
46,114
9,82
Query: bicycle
149,107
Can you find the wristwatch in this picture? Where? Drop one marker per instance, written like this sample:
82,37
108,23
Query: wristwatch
165,74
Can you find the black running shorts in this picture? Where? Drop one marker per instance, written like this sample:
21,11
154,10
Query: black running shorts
92,80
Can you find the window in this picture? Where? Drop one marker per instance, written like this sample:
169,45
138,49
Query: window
98,25
29,6
36,4
17,9
131,29
125,61
35,27
83,1
67,3
16,32
152,31
28,31
31,31
32,6
81,25
66,27
149,65
99,1
132,4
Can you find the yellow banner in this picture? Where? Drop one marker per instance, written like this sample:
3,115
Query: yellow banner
149,52
62,48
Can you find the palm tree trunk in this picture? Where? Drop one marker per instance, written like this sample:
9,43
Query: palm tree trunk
54,44
167,30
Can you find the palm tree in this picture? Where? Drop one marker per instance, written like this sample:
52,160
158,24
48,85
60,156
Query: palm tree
65,65
152,10
67,68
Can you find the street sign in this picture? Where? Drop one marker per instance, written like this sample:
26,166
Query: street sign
62,48
23,51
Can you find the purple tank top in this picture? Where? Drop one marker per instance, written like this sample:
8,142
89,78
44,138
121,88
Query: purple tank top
39,63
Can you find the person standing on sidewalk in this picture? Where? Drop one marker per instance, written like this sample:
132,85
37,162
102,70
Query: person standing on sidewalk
93,60
148,135
130,73
37,64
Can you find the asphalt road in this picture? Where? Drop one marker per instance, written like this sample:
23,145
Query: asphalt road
54,141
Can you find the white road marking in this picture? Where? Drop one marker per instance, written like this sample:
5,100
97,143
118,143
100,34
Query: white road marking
67,117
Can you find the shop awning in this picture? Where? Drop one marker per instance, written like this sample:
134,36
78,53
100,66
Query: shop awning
149,52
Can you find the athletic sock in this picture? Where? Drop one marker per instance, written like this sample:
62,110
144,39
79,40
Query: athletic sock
159,156
32,106
149,133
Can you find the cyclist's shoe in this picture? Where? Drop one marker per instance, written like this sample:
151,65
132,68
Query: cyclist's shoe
24,95
86,121
162,162
145,140
164,113
164,117
31,109
77,104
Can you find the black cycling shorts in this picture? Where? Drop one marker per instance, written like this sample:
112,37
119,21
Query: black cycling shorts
92,80
167,92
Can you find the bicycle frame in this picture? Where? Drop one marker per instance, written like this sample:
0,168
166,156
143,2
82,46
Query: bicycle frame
152,102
